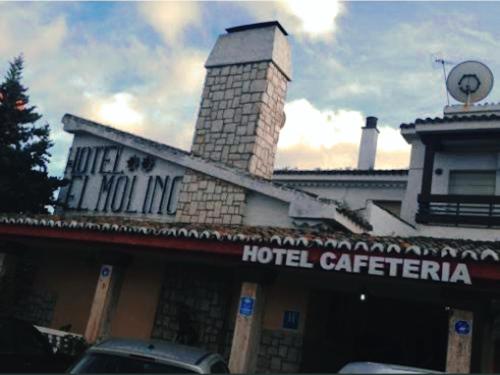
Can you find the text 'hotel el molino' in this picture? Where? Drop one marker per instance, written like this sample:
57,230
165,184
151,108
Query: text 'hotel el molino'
278,270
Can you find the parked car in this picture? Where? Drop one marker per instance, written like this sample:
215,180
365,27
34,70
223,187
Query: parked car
147,356
382,368
25,349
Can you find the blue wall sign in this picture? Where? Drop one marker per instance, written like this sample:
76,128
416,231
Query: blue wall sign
462,327
291,320
105,271
246,306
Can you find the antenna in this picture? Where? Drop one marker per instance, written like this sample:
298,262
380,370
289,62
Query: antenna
469,82
443,63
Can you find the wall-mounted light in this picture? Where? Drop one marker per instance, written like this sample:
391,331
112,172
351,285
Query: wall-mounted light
438,171
362,297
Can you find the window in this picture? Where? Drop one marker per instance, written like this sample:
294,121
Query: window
472,182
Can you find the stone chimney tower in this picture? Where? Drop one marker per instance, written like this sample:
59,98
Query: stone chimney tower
240,117
368,145
241,112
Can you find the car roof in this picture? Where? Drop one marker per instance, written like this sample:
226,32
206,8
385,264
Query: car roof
382,368
159,349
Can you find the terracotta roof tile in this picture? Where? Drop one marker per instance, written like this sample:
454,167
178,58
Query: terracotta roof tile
318,237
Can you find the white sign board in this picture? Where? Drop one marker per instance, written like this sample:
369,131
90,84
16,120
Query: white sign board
110,179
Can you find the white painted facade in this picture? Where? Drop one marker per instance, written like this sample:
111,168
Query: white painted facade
354,190
365,191
264,211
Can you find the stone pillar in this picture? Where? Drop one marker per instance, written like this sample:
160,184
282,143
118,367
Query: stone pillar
105,297
459,341
247,330
240,117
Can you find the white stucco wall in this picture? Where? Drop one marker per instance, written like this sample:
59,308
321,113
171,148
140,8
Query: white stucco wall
386,224
357,197
355,193
126,191
265,211
414,185
447,161
455,162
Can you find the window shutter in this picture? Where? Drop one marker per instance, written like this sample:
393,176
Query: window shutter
472,183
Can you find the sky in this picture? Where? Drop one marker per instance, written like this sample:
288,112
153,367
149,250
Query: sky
139,66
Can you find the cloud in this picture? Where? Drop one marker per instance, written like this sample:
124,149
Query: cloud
171,18
120,110
308,126
317,18
116,78
314,20
40,39
312,138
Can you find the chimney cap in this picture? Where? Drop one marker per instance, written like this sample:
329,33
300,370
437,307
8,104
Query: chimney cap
371,122
258,25
260,42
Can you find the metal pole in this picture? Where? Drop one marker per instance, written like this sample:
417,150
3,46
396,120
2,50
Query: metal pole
444,75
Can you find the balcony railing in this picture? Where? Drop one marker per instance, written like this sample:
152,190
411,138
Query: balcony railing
482,210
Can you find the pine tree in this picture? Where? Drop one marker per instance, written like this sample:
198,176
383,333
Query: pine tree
25,186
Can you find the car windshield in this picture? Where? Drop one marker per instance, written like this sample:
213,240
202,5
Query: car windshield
94,363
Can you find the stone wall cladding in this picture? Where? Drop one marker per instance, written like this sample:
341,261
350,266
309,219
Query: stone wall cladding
241,115
18,294
37,308
194,308
207,200
280,352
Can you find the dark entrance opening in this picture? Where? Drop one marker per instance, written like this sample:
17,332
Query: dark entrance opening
341,328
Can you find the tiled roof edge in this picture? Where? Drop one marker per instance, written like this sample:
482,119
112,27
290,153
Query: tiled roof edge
448,119
397,245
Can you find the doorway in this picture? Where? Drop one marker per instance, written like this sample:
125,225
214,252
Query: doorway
345,327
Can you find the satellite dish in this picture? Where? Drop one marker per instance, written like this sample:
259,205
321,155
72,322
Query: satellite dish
469,82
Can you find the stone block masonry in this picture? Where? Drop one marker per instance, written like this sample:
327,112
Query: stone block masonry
241,115
280,352
194,308
207,200
18,294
